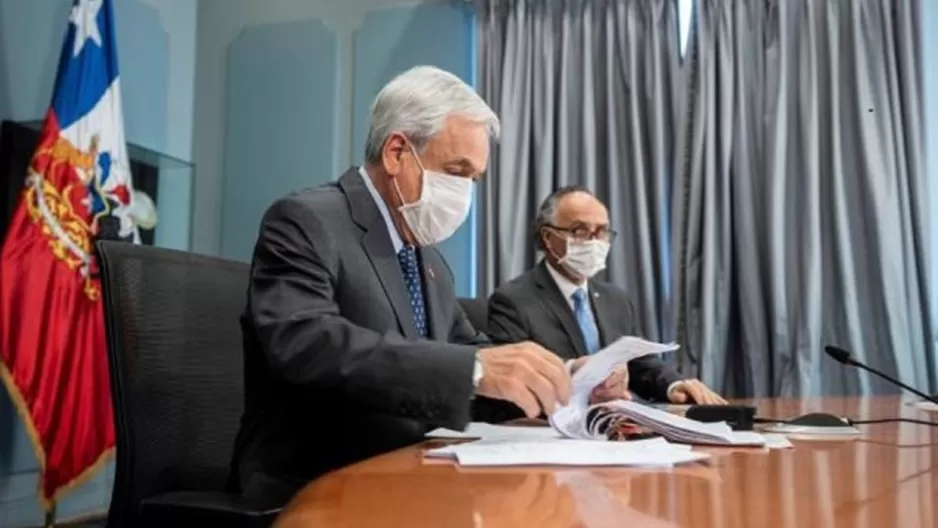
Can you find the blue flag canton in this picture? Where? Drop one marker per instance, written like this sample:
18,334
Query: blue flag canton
88,62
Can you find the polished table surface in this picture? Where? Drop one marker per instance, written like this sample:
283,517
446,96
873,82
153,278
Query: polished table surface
886,478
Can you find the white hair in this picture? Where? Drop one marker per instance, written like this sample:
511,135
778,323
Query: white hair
417,102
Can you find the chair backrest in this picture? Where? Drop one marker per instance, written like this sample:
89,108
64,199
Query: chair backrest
175,356
477,310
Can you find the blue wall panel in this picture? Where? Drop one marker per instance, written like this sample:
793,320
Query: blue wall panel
393,40
143,49
281,132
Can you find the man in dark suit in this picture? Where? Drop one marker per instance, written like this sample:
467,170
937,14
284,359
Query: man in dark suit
559,305
354,342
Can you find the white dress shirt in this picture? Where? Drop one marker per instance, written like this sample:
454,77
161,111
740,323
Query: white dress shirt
396,241
568,288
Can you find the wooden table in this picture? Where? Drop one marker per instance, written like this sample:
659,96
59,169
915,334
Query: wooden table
886,479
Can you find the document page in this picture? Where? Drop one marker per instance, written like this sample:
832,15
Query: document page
654,453
604,362
487,431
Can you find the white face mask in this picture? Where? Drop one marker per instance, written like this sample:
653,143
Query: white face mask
443,206
586,258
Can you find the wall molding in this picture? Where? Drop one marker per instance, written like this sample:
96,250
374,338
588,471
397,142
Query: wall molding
179,92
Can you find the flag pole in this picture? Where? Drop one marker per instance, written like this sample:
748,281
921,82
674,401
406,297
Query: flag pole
50,515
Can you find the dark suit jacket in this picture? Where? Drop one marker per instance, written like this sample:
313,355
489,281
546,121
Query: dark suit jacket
532,308
334,370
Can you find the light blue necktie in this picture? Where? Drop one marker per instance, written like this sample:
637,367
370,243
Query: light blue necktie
584,318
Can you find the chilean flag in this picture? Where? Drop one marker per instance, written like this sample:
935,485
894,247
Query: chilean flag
53,357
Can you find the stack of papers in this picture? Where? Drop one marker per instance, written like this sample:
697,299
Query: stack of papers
681,429
576,420
652,453
573,422
571,419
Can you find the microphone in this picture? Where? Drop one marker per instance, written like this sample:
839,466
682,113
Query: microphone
843,356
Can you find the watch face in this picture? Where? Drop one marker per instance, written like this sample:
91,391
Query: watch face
477,373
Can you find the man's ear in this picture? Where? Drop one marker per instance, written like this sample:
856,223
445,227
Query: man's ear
545,242
392,152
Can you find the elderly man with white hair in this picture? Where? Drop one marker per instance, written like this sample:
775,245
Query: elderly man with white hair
354,341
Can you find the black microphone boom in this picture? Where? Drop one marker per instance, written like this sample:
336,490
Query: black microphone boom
839,354
843,356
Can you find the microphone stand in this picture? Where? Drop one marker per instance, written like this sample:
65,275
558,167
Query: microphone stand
894,381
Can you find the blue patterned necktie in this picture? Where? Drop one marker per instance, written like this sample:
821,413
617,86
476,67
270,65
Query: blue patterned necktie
584,318
408,259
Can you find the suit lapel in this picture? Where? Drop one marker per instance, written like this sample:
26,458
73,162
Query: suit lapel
558,306
377,245
429,270
604,315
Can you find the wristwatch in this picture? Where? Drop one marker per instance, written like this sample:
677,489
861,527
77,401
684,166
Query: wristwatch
477,373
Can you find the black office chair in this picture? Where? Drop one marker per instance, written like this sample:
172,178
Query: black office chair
174,350
477,310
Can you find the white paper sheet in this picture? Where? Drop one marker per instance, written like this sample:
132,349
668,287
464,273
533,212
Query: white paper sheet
487,431
450,451
654,453
924,406
777,441
601,364
570,421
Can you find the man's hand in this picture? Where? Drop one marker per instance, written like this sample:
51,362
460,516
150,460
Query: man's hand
616,387
694,391
525,374
577,363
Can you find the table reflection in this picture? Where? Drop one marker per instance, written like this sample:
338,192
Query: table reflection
604,502
588,498
519,499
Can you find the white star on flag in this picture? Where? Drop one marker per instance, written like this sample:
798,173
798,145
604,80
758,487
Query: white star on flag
85,17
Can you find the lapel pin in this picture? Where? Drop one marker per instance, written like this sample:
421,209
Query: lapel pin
430,272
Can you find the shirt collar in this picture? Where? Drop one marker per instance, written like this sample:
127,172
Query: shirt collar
567,287
396,241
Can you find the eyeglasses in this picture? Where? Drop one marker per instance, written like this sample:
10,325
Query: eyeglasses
581,232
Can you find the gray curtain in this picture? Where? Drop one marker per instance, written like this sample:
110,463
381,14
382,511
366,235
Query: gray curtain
801,201
586,92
